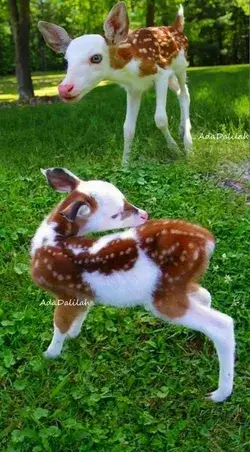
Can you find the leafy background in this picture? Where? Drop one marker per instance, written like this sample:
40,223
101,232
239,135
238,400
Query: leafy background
217,29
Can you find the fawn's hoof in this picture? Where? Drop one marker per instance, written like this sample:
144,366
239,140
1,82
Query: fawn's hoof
50,354
173,146
73,334
219,395
188,143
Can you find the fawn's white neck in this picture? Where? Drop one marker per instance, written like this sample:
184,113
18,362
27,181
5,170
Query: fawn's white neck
129,78
44,236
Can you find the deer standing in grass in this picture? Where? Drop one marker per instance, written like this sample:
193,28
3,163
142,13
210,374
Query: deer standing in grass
134,59
156,264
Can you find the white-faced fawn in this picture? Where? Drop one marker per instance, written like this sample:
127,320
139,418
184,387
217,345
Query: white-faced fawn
156,264
135,59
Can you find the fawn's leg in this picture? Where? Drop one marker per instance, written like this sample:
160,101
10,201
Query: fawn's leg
184,101
161,119
64,318
76,325
217,326
133,106
201,295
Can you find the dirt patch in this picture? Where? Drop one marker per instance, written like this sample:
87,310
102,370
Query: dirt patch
236,177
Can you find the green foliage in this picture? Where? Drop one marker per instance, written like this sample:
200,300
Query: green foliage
217,30
129,382
7,57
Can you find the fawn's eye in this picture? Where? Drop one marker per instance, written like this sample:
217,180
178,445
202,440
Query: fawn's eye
115,216
97,58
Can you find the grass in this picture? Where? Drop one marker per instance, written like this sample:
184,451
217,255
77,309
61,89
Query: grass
129,382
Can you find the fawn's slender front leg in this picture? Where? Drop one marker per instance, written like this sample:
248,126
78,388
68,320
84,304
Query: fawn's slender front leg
161,119
67,323
76,325
133,106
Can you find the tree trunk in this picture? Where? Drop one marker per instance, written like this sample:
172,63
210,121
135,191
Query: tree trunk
19,12
150,17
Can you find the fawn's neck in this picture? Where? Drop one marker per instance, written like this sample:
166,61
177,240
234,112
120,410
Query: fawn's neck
126,70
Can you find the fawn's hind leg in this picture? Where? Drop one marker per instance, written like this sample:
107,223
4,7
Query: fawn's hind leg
184,101
183,309
161,119
67,322
200,295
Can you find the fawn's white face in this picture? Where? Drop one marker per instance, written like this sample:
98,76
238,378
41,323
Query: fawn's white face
88,63
88,55
113,210
93,205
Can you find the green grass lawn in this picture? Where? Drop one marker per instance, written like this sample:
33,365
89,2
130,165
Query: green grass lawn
129,382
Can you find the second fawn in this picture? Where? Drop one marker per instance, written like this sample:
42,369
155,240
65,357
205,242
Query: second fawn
156,264
136,60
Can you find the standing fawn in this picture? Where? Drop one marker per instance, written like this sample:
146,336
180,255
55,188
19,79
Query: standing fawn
155,264
134,59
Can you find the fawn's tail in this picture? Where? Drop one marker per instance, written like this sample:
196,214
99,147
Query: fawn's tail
179,20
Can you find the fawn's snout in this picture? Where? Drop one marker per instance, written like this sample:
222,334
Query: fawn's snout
143,214
65,90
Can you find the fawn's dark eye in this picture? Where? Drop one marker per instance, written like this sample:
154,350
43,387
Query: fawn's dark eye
115,216
97,58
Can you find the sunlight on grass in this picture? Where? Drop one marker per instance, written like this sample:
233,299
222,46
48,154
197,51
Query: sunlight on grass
48,75
241,106
47,91
45,84
203,93
8,97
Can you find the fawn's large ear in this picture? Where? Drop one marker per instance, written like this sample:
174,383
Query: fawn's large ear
81,209
61,179
116,25
56,37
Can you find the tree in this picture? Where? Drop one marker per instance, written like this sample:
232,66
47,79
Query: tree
20,13
150,17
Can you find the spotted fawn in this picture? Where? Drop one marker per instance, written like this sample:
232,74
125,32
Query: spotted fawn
156,264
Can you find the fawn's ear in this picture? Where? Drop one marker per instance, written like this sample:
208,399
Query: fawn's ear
55,37
116,25
61,179
81,209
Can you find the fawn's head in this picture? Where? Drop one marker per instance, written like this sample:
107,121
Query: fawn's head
87,55
92,206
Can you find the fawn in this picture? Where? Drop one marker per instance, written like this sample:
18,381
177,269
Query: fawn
155,264
135,59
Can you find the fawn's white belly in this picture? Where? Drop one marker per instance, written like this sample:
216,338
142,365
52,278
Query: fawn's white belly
126,288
